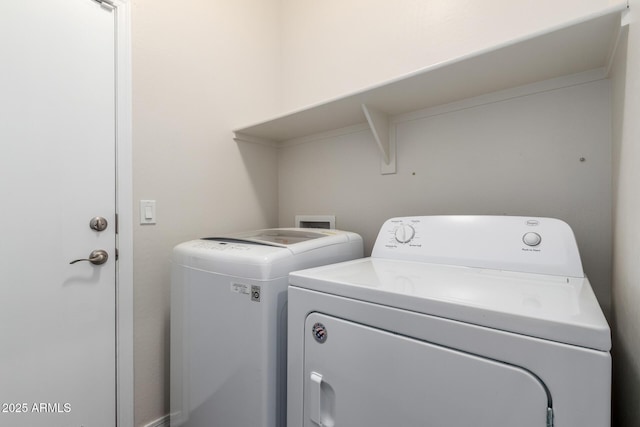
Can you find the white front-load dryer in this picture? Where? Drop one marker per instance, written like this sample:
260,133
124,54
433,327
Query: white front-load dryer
228,322
454,321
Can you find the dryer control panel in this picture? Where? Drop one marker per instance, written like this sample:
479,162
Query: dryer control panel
526,244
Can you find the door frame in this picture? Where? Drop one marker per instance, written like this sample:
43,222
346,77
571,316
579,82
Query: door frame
124,209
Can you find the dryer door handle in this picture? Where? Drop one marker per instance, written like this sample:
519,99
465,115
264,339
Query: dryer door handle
321,401
315,398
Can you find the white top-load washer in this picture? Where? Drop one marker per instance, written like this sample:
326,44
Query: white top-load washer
228,322
454,321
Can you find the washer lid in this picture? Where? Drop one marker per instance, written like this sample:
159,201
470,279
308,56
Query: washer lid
562,309
268,254
297,240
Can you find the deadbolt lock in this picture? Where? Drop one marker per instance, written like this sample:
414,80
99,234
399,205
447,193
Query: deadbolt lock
98,223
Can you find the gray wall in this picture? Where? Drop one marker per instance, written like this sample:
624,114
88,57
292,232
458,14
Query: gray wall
194,79
626,248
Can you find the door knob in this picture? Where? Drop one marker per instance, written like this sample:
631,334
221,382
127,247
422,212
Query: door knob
97,257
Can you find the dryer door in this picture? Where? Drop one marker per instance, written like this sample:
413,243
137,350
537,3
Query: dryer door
358,376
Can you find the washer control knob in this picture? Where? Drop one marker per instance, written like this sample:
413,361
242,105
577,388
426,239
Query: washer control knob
531,239
404,233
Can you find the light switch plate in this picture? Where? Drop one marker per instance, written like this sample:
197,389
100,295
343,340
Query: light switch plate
147,211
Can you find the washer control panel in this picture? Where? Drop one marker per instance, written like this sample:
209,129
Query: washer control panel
527,244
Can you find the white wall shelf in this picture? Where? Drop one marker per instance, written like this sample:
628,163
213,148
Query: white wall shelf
576,46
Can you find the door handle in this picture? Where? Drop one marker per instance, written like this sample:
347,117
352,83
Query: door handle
315,399
321,401
97,257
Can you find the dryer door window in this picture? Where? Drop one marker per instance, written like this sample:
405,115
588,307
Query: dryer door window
358,376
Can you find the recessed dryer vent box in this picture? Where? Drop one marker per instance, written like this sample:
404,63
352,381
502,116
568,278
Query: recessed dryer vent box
316,221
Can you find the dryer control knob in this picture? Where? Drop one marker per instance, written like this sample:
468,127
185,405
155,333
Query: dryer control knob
531,239
404,233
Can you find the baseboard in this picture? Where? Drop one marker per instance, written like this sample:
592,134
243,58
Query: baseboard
160,422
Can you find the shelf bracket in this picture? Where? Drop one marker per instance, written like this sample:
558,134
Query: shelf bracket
384,136
625,17
243,137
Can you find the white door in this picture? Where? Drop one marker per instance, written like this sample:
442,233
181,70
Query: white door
57,163
357,376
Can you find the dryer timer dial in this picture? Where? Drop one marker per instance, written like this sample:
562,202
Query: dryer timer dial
404,233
